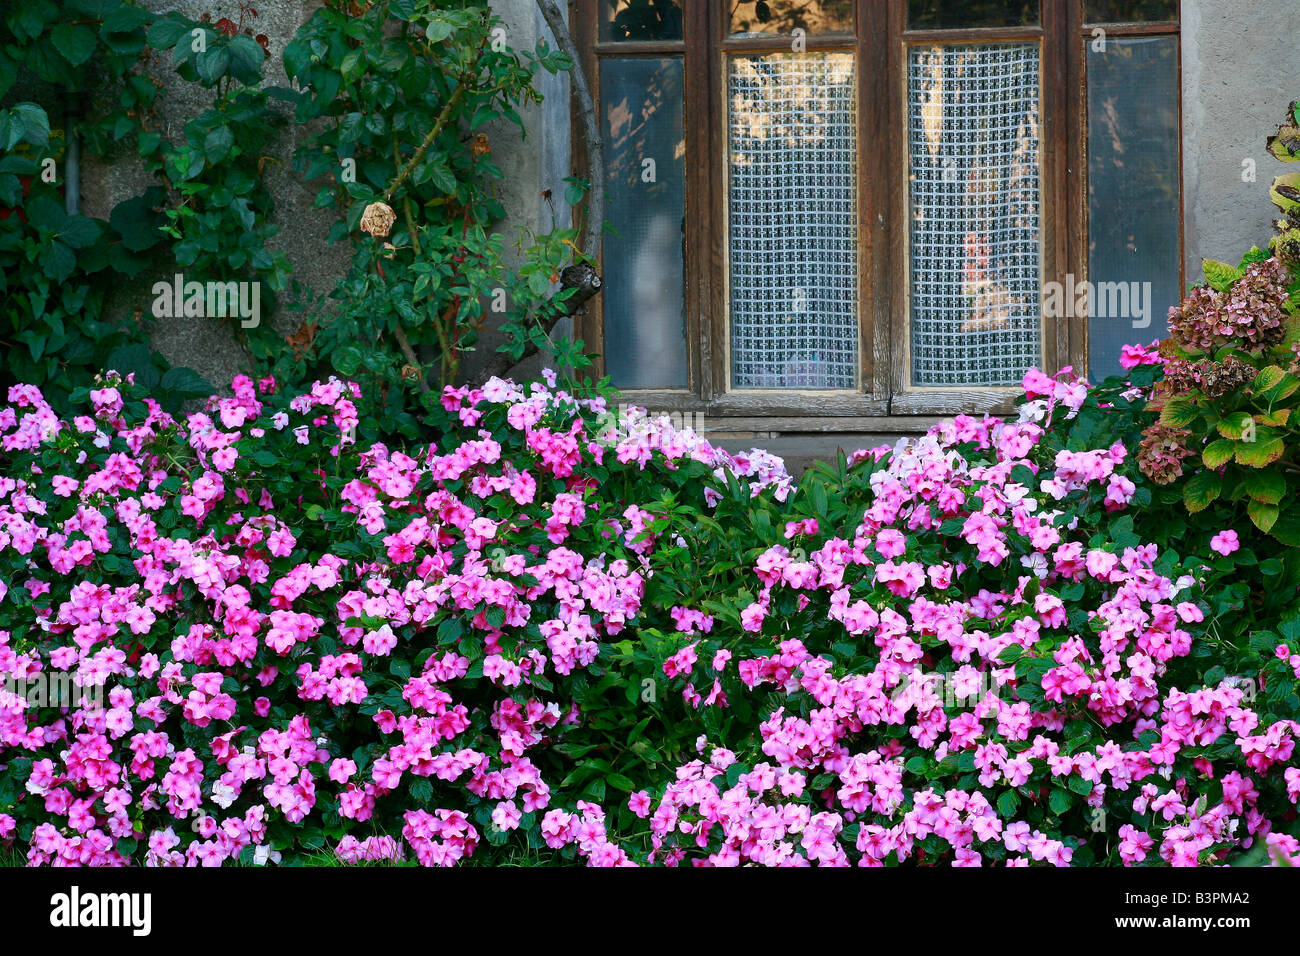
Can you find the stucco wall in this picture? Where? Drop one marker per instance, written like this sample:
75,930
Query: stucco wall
1238,77
536,159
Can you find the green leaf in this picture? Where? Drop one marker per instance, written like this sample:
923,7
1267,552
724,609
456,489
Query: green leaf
1267,448
213,64
1218,453
1233,425
35,124
1266,486
1060,800
246,59
79,232
218,143
1287,527
1179,412
1263,515
1201,490
1080,786
1268,377
75,43
1220,275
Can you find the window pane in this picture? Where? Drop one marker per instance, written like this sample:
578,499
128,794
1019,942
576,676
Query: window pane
975,250
793,221
645,178
784,16
963,14
1133,195
1130,11
640,20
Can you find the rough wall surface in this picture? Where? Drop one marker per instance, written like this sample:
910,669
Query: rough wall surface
532,160
1238,77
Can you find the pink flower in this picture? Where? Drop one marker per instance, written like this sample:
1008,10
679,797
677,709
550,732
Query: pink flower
1225,542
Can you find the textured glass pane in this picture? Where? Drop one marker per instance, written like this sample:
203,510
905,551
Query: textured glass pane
640,20
1133,195
1130,11
962,14
784,16
645,160
975,256
794,221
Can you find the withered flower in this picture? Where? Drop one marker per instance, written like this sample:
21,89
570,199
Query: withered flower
1161,453
378,219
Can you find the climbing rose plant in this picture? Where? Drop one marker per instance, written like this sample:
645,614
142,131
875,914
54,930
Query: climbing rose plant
567,632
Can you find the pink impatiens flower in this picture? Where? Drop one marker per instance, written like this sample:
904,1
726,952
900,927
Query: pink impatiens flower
1225,542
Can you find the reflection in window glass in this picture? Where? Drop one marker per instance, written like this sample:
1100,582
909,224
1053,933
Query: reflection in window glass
785,16
623,20
645,159
975,247
1130,11
793,221
1133,195
963,14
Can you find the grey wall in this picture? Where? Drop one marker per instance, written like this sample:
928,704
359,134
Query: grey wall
1239,74
536,159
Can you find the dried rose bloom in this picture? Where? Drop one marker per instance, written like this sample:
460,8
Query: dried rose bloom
1161,453
378,219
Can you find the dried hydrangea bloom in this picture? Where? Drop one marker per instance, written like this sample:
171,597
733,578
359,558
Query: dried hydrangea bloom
378,219
1161,453
1250,314
1223,378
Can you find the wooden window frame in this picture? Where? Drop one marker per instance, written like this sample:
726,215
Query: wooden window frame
880,38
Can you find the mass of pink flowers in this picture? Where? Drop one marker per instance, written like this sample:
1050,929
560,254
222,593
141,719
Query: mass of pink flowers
287,644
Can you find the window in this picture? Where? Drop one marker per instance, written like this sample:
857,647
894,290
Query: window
829,208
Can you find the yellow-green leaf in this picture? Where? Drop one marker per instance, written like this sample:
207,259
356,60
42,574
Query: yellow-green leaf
1266,486
1266,449
1283,389
1179,412
1220,275
1263,515
1268,377
1218,453
1233,425
1201,490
